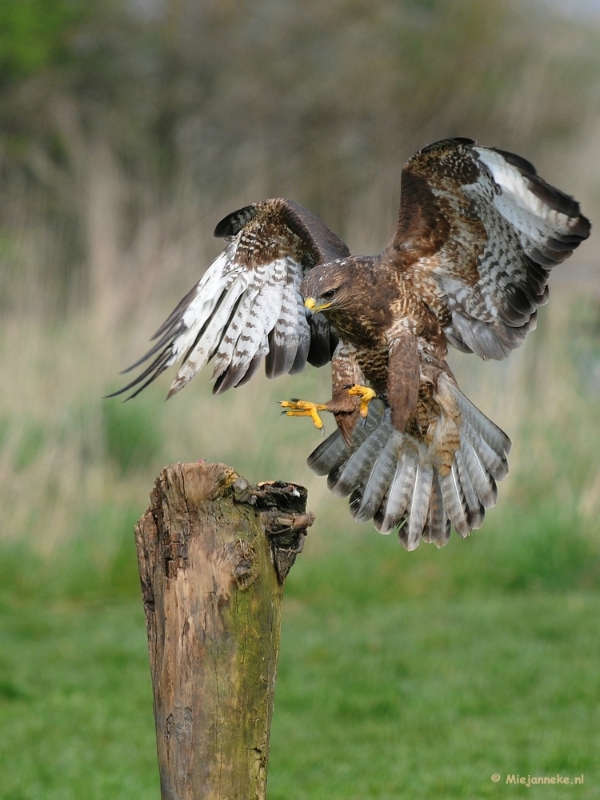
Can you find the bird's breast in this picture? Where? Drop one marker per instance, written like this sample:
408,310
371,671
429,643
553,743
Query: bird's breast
374,365
359,328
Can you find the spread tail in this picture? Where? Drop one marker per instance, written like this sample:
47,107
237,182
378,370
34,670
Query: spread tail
422,487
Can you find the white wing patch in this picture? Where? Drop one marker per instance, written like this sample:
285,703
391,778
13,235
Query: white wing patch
248,304
236,315
529,214
531,227
233,324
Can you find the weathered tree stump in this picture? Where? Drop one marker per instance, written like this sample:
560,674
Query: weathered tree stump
213,555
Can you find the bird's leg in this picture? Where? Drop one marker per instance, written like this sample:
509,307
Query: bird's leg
342,404
304,408
365,394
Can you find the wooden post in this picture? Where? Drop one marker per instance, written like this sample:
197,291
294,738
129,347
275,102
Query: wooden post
213,554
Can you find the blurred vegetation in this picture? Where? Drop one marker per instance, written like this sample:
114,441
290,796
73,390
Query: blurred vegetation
34,35
127,129
148,106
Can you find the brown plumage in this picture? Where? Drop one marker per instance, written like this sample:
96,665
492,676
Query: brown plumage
478,232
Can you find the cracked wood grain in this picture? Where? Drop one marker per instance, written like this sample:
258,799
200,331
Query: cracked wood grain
213,553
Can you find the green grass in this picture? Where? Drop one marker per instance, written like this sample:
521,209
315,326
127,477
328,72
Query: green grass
430,699
75,703
421,692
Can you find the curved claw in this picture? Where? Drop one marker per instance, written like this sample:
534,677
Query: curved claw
366,395
304,408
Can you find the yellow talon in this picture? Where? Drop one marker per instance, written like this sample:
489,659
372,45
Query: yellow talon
365,394
304,408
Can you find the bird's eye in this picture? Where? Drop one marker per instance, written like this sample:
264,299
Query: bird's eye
328,295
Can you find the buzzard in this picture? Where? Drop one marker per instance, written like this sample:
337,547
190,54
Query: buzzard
478,233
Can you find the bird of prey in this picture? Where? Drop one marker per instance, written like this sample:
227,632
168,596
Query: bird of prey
478,233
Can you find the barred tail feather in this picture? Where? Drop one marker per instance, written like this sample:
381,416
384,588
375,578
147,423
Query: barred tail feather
419,504
475,507
401,482
454,502
334,451
437,529
401,488
476,419
351,474
379,478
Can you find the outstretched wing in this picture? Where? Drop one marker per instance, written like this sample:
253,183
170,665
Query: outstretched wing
248,303
478,233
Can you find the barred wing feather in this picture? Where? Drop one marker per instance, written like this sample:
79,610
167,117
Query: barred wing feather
248,306
486,230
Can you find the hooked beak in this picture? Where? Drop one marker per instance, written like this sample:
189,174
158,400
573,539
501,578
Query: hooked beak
311,305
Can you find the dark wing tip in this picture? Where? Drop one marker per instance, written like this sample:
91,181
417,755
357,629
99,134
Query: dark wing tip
156,368
550,195
236,376
517,161
323,242
323,341
584,227
563,203
234,222
113,394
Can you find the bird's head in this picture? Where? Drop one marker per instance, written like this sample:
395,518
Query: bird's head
327,287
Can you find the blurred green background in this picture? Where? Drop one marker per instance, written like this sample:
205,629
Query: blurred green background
128,128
